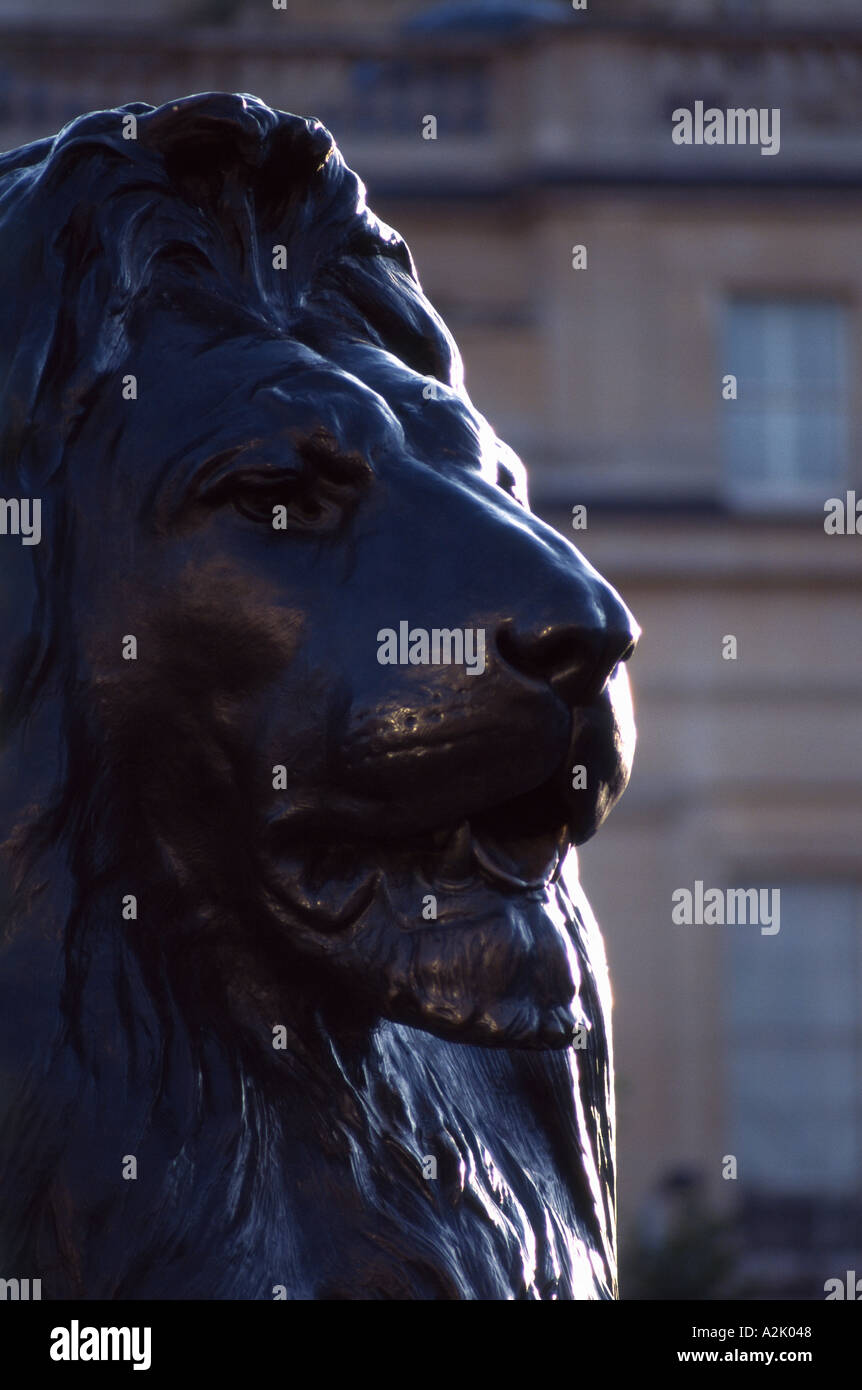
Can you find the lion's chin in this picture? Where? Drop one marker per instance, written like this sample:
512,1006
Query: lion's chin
484,958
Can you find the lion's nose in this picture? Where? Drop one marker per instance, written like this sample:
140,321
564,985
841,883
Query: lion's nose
575,658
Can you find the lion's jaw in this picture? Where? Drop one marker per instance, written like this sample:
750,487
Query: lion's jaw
480,962
464,930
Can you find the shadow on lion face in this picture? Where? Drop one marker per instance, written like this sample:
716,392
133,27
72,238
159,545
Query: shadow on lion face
295,694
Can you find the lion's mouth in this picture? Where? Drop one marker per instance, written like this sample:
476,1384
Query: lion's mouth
331,861
518,847
513,850
468,849
461,931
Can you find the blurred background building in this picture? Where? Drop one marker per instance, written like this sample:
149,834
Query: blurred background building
553,131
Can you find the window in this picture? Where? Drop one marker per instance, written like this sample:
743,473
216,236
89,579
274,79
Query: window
795,1048
787,433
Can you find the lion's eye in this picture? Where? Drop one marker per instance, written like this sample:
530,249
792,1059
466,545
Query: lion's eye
285,505
314,495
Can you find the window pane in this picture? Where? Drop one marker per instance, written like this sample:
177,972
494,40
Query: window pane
787,434
793,1129
795,1062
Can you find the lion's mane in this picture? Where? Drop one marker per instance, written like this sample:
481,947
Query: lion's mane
117,1043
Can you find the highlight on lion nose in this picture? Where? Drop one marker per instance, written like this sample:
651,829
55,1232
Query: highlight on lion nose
576,661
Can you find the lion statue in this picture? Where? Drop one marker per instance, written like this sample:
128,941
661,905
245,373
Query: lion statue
303,711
